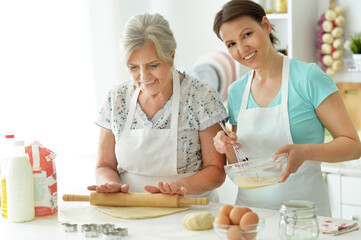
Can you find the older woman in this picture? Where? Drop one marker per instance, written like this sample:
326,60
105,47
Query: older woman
157,131
281,106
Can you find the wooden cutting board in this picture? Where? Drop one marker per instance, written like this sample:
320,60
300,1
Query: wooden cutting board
351,94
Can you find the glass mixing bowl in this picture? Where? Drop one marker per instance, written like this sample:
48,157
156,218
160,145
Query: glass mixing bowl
235,232
257,172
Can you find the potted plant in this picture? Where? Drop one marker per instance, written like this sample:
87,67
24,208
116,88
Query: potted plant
355,47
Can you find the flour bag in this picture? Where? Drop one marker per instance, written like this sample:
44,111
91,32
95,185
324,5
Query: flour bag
45,184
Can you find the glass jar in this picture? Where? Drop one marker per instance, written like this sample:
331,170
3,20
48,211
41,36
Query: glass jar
298,220
280,6
268,6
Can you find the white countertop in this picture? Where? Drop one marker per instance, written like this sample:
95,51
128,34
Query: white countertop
349,168
167,227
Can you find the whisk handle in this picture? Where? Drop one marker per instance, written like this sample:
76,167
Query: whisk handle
235,147
224,128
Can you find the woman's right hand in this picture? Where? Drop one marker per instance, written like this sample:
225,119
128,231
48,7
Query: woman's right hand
110,187
224,144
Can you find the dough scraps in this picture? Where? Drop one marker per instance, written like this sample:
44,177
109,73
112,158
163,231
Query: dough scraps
138,212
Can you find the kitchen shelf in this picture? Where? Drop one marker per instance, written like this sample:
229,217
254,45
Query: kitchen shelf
296,29
273,16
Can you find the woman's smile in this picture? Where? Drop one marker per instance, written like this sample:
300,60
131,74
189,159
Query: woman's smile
148,84
250,57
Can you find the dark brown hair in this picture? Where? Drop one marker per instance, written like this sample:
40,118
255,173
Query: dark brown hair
237,8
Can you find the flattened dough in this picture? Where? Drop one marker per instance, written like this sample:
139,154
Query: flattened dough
138,212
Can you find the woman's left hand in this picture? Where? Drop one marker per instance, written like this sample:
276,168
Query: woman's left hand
110,187
296,156
166,188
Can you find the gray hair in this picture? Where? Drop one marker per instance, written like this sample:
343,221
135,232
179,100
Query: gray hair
144,27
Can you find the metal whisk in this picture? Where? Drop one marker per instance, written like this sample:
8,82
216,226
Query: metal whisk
252,178
241,156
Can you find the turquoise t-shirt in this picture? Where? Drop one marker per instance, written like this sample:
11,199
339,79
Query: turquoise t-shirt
308,87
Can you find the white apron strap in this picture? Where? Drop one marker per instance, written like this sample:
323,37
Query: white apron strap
284,96
175,112
246,93
132,107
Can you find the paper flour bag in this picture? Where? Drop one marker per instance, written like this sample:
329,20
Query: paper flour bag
45,184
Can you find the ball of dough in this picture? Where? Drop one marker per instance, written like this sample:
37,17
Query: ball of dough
337,54
327,38
339,10
340,21
330,71
330,15
327,26
327,60
337,65
337,32
326,48
198,221
337,43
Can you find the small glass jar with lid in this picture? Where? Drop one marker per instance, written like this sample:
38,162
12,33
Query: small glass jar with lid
298,220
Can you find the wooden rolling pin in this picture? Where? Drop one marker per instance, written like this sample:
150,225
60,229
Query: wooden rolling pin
135,199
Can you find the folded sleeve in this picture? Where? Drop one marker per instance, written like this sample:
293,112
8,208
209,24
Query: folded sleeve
105,117
210,108
320,85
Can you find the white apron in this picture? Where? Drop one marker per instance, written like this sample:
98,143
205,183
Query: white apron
150,155
262,131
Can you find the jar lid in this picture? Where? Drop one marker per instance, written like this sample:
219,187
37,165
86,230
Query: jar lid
301,208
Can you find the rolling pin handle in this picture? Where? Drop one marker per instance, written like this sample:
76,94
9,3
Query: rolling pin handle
194,201
75,198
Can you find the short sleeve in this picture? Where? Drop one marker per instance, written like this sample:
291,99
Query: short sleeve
104,118
320,85
212,110
201,104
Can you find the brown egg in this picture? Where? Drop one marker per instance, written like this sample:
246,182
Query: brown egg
223,220
234,233
225,210
236,214
249,218
248,209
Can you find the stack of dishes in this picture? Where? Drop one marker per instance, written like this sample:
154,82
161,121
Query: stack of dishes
216,69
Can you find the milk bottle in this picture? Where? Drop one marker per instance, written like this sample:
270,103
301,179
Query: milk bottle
20,186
